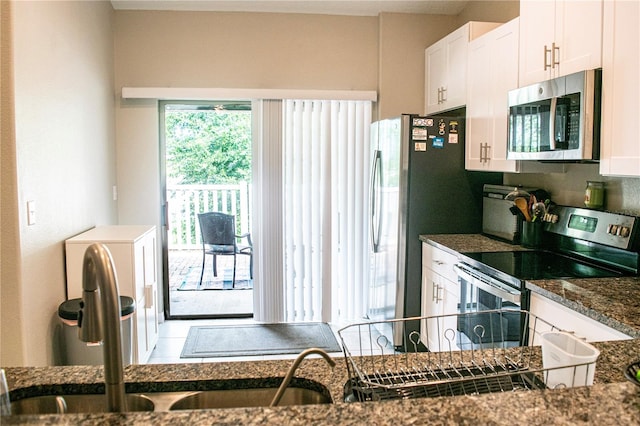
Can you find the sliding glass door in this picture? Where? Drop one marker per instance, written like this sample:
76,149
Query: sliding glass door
206,167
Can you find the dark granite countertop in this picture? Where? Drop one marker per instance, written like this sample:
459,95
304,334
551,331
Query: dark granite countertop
611,400
468,243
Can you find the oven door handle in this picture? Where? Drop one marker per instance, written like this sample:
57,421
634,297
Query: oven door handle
489,285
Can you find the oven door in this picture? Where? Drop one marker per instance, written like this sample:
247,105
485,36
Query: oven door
480,293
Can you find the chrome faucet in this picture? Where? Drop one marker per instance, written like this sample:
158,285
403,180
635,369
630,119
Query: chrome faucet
294,367
99,319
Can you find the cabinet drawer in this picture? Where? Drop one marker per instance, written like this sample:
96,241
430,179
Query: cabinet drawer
439,261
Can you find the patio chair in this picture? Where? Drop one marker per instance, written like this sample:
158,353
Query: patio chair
218,231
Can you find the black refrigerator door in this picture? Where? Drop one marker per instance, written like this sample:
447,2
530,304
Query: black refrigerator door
442,197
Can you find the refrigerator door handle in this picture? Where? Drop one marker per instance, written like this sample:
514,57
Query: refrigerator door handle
376,177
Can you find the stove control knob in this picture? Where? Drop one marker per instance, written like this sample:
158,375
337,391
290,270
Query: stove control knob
624,232
612,229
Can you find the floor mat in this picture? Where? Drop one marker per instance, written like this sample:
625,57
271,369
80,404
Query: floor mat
223,281
257,339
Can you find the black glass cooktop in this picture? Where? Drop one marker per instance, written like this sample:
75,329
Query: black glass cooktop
539,265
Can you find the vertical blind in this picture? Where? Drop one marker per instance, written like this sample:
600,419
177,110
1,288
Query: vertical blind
325,177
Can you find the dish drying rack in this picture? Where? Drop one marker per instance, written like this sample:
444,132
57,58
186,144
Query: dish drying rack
456,364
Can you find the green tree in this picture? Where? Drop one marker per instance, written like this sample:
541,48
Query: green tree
208,146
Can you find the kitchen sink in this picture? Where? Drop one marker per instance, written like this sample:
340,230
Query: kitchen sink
259,397
207,395
84,403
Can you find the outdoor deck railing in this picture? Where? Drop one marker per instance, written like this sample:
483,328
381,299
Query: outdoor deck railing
186,201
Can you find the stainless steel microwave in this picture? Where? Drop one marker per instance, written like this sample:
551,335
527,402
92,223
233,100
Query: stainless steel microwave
556,120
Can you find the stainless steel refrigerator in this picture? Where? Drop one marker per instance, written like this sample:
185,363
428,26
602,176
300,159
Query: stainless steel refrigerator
418,186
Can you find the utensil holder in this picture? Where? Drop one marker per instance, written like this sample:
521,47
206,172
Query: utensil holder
532,233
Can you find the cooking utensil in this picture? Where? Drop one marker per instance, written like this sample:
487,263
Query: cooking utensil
517,192
538,210
522,204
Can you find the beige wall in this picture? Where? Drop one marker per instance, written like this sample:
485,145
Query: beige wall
489,11
403,40
62,65
245,50
11,336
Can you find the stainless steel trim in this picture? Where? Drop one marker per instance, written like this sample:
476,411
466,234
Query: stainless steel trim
552,123
601,234
488,284
375,199
402,227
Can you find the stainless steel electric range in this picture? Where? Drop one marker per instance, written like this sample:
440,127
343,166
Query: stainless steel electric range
583,243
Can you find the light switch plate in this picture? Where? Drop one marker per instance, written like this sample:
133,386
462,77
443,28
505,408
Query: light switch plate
31,212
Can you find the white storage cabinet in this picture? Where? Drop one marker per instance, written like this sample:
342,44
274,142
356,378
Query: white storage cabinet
559,37
446,68
619,146
133,249
492,70
440,295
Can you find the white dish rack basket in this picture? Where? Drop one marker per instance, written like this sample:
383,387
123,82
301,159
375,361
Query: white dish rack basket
455,363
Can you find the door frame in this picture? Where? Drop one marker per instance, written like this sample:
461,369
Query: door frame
164,211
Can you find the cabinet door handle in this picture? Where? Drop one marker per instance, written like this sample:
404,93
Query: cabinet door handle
484,152
444,92
439,95
555,60
434,292
439,293
148,296
546,53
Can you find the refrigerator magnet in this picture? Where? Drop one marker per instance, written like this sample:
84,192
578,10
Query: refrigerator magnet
453,138
419,134
420,146
437,142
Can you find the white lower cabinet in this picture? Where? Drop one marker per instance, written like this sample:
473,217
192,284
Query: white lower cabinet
554,314
440,297
133,249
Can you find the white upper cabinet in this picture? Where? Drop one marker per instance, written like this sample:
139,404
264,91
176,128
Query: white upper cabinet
559,38
446,70
492,69
619,146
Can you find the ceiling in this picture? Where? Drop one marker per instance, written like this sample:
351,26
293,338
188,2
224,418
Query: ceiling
328,7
